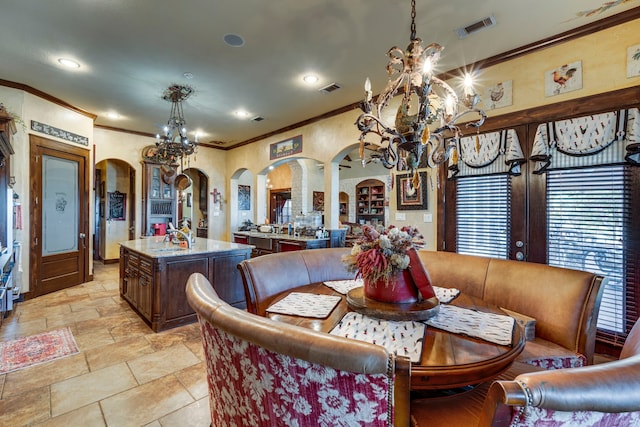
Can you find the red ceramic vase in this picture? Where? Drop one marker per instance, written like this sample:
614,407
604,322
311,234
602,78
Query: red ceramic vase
400,289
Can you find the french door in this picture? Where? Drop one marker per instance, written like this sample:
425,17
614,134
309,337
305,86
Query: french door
582,218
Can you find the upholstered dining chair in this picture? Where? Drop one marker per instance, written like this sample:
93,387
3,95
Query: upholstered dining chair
268,275
601,395
264,373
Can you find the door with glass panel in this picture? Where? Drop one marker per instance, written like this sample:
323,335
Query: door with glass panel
59,216
575,205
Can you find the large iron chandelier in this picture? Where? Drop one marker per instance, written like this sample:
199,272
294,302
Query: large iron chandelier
426,101
174,143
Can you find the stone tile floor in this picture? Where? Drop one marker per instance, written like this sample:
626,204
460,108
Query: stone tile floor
124,375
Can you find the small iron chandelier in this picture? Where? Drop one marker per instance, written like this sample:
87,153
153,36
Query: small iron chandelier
174,143
426,99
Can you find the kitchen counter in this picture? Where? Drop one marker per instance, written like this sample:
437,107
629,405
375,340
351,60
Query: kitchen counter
156,247
265,243
154,273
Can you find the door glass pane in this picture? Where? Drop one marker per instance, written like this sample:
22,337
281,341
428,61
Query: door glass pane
588,216
60,200
483,206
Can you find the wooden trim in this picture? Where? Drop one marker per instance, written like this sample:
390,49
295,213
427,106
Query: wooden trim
575,33
47,97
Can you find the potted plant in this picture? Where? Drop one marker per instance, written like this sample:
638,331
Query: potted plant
387,261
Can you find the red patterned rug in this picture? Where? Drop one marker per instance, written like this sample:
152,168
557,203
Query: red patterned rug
36,349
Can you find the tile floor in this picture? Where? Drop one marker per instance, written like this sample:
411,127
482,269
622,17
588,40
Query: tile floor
124,375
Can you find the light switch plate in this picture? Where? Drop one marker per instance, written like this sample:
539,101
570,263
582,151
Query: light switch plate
428,217
400,216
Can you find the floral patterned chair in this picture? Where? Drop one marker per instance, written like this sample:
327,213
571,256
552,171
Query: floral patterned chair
602,395
265,373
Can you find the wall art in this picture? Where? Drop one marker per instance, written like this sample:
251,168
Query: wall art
499,95
565,78
633,61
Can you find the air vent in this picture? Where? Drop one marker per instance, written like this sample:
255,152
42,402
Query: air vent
257,119
330,88
487,22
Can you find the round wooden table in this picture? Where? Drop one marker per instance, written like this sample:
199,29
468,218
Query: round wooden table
448,360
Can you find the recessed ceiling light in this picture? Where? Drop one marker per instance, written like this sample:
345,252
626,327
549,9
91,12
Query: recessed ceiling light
242,114
233,40
70,63
113,115
188,75
310,79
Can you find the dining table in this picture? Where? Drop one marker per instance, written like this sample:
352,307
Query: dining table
444,360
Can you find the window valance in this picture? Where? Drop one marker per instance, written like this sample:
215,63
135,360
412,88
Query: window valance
599,139
487,154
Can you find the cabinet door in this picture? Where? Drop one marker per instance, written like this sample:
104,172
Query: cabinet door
227,281
145,288
130,279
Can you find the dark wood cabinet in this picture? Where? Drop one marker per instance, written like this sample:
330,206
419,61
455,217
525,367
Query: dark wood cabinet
370,200
159,198
155,286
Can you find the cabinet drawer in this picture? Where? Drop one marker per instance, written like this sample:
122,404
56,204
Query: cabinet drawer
146,265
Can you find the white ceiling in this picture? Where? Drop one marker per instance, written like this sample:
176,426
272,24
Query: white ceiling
131,50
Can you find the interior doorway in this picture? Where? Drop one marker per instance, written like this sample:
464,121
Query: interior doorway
280,206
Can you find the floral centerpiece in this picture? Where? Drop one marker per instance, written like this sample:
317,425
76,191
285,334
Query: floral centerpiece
380,257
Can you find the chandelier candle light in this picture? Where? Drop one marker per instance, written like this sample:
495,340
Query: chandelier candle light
426,99
174,143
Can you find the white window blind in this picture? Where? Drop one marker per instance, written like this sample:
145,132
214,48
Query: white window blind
588,221
483,215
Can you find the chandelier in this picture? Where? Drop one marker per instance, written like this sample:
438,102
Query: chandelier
174,143
426,117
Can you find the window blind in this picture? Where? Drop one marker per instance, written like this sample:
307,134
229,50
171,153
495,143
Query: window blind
588,227
483,207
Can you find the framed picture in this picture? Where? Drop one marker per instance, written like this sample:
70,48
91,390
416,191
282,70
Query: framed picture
499,95
117,203
244,197
318,201
409,198
565,78
633,61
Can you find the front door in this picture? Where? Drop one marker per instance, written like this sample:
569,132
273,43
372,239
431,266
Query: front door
59,215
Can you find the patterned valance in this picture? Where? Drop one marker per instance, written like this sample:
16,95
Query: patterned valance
599,139
486,154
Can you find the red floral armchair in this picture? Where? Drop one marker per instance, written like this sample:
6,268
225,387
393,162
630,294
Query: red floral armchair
265,373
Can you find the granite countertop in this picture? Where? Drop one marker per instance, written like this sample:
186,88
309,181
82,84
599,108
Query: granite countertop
278,236
156,247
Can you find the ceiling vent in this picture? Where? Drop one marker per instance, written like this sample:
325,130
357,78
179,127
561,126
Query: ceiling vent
257,119
329,88
487,22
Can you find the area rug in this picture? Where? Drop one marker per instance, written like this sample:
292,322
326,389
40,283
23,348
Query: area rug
36,349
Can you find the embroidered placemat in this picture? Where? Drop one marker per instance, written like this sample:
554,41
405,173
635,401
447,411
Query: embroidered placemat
305,304
404,338
344,286
495,328
446,295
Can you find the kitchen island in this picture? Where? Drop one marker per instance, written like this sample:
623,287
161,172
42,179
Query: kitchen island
154,273
266,243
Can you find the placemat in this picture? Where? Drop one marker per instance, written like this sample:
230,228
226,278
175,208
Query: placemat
398,337
446,295
495,328
344,286
305,304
